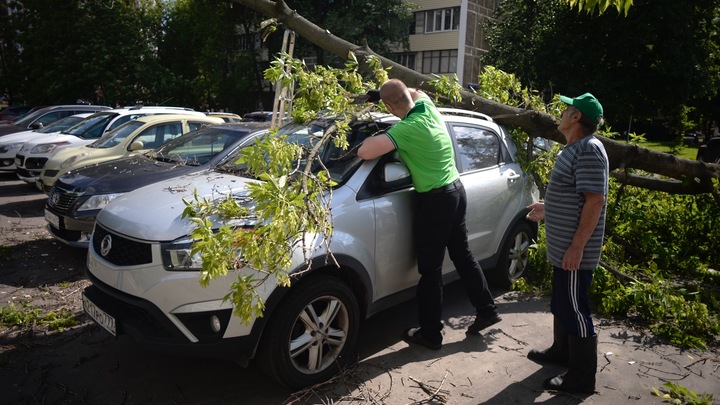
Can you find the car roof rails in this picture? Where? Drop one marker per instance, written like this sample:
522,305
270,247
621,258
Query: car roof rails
465,113
139,107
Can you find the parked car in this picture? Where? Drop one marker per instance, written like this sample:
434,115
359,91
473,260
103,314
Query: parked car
145,280
710,150
31,159
10,144
227,117
129,139
9,114
76,197
47,115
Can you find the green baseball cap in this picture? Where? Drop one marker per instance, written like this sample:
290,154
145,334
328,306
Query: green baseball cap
587,104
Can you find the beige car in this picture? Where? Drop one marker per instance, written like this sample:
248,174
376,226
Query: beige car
129,139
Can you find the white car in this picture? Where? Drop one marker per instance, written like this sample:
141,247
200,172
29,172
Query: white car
11,144
129,139
146,280
31,159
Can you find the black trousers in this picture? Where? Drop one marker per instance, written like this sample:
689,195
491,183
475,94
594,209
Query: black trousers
570,301
439,224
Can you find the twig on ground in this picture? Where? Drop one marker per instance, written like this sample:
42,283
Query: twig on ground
434,393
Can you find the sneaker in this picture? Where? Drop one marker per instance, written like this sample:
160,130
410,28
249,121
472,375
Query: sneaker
413,336
482,323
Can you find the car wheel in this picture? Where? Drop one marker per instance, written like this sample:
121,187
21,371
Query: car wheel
311,334
514,256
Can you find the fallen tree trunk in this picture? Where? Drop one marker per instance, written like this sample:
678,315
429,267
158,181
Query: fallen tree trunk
686,176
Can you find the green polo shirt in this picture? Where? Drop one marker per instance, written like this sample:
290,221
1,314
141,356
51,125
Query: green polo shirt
423,142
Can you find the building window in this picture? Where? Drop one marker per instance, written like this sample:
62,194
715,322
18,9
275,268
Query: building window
406,59
440,61
444,19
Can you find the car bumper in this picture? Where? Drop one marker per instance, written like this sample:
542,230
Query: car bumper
145,323
71,231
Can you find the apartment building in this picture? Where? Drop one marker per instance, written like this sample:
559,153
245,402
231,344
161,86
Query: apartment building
448,38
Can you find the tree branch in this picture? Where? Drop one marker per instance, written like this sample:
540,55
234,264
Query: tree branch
533,122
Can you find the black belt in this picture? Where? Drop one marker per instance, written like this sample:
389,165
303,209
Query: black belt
446,188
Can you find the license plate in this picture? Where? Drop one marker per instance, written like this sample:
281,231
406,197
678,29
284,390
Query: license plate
53,219
100,316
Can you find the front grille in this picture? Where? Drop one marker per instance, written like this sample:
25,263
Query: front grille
19,160
35,163
61,200
51,173
123,251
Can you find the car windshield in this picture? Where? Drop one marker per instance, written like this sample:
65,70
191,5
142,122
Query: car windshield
29,118
115,136
60,125
198,147
91,127
340,163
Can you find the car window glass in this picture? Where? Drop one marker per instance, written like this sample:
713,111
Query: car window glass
117,135
60,124
90,125
477,148
198,147
159,134
51,117
122,120
29,118
194,126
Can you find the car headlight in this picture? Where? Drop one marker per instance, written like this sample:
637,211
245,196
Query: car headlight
98,202
71,160
47,147
11,146
177,255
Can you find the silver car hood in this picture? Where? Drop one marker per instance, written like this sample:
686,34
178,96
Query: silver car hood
153,212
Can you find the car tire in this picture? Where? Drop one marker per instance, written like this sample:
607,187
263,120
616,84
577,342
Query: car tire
298,348
514,256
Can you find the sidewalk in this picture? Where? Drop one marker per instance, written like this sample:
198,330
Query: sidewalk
493,369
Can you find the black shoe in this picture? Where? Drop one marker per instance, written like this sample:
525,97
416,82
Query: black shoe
413,336
483,323
549,355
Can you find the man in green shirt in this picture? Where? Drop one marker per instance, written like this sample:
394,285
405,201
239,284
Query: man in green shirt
423,142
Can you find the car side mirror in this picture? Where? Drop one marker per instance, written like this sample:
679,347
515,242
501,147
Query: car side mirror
36,125
396,175
137,145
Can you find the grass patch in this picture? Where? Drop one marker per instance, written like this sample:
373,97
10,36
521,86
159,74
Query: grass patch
28,315
687,152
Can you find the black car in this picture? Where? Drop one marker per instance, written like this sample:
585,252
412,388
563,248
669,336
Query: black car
710,151
78,196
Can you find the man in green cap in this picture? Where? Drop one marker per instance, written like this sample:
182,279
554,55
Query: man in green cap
574,213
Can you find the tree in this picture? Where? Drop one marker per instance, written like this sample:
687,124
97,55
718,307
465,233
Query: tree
384,24
686,176
589,6
622,60
210,48
99,51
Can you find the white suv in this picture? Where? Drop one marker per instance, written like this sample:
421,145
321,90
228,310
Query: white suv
31,159
141,288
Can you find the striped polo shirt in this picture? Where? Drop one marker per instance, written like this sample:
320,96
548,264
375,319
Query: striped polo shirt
581,167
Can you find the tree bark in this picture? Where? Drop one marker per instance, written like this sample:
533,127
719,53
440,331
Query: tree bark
686,176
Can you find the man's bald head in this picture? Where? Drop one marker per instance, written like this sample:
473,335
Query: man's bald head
396,97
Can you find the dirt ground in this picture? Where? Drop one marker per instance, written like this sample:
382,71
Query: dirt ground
84,364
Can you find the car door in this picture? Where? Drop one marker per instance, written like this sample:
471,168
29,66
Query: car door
392,205
492,183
